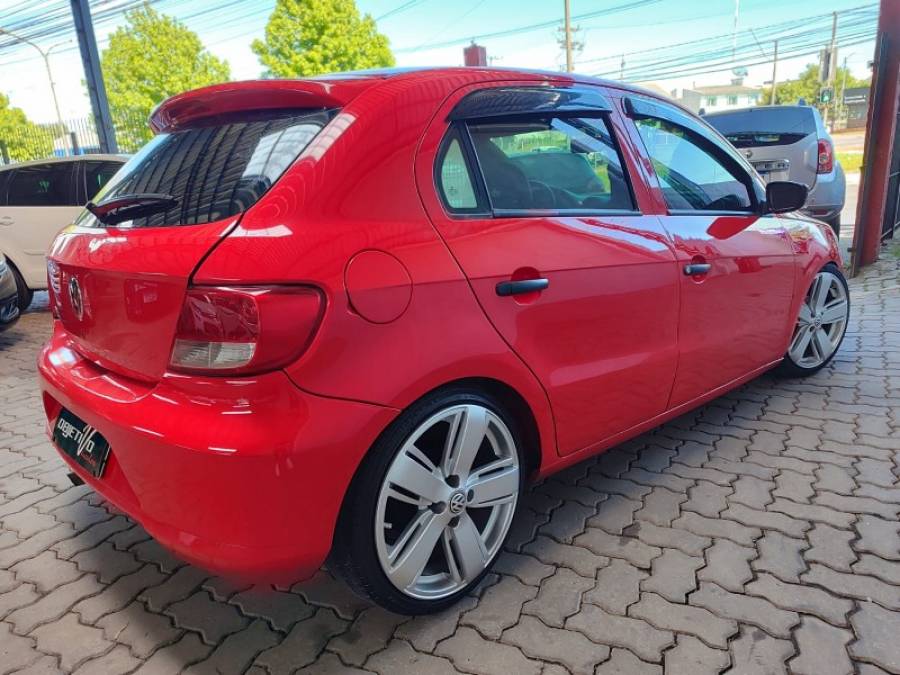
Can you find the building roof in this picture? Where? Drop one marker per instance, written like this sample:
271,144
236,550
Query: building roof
726,89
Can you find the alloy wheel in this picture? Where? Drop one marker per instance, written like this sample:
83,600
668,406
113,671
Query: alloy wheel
447,501
821,323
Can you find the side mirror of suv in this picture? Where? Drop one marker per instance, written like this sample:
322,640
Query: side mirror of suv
784,196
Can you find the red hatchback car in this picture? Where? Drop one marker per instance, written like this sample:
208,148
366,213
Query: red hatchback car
351,316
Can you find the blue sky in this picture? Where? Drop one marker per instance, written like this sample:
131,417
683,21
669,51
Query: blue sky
229,32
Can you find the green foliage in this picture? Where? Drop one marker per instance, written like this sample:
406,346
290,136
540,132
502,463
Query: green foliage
24,139
152,57
312,37
807,87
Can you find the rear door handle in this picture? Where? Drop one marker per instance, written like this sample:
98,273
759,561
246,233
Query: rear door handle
505,288
697,268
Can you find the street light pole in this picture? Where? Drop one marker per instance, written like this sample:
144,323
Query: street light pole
568,29
774,73
46,56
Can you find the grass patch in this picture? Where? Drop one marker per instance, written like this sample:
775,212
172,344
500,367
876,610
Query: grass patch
851,161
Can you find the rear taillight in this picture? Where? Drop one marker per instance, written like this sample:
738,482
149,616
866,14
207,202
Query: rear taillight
244,329
53,287
826,157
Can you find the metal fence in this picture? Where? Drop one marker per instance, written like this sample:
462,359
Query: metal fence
76,137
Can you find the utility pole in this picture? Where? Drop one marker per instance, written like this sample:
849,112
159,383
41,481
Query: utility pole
568,30
774,73
737,13
46,56
832,62
90,59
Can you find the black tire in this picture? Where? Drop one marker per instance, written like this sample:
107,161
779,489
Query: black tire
25,294
835,224
788,367
354,555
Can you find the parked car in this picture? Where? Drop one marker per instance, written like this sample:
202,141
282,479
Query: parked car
38,199
9,298
351,316
790,142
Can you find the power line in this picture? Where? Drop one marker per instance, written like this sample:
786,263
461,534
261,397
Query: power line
529,28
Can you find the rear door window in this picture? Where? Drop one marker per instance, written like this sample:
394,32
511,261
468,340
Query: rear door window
214,171
97,174
43,185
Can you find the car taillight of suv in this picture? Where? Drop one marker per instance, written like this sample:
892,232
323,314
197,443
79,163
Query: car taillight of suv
826,156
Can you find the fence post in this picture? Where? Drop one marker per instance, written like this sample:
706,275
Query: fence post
75,148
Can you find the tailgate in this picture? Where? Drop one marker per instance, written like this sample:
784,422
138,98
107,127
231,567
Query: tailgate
119,292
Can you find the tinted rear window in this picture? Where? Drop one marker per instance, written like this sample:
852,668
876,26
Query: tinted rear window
214,171
764,126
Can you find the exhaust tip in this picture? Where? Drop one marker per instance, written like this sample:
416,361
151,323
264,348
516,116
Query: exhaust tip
75,478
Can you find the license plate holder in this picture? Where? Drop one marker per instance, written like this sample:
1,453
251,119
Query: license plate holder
82,442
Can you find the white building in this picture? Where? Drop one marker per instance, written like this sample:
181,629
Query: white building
720,97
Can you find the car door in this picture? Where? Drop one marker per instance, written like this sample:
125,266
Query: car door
737,264
41,200
542,213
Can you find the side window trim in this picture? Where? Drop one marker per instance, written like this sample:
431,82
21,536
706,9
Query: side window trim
539,213
639,108
458,132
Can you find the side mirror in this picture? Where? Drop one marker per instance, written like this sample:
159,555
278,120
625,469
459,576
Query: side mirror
783,196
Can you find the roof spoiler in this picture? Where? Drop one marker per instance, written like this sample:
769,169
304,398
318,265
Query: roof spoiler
186,109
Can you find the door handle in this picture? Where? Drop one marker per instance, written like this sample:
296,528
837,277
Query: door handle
505,288
697,268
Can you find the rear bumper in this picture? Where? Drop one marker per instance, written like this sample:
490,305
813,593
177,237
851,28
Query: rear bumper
826,199
244,477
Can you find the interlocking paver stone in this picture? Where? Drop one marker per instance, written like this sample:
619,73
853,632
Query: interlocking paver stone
806,599
822,649
622,662
673,575
569,648
661,613
728,565
781,556
399,657
303,644
142,631
54,605
213,620
119,660
620,631
876,630
578,558
617,587
173,658
756,653
471,653
745,609
559,597
691,657
370,632
236,652
831,547
73,642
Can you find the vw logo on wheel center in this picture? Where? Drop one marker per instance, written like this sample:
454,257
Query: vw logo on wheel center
457,502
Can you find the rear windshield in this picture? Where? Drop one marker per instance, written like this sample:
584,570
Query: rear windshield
214,171
764,125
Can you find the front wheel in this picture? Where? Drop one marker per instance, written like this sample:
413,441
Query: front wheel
821,324
432,504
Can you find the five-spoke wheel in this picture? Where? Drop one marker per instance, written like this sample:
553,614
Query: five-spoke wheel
446,483
821,323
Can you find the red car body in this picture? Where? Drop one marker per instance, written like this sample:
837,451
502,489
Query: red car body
246,474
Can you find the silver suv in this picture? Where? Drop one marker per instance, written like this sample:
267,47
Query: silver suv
789,142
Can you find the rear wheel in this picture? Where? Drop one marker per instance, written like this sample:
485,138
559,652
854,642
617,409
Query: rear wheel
432,504
25,294
835,224
821,324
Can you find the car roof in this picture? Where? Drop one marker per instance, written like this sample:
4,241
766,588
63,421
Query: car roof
339,89
62,160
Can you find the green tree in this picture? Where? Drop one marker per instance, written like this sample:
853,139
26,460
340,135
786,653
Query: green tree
312,37
807,86
24,139
152,57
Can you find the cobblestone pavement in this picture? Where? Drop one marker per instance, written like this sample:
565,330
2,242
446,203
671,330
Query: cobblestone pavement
758,534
